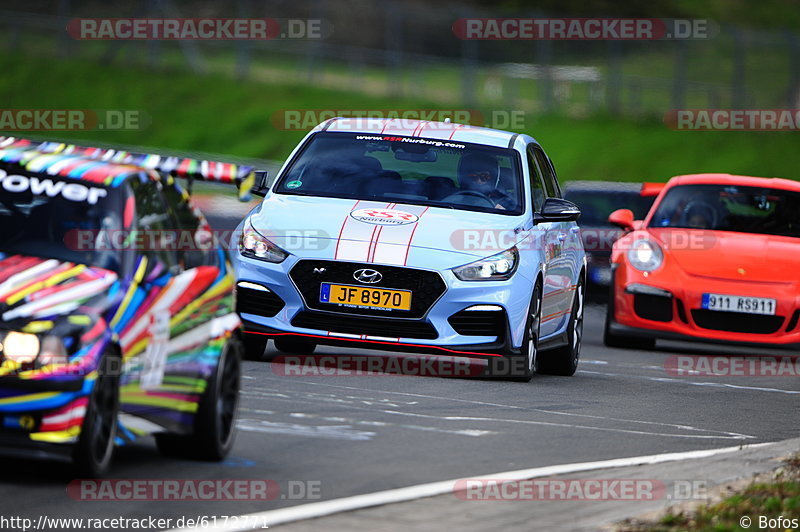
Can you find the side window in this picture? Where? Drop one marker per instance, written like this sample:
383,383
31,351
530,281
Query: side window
537,190
548,173
195,246
153,219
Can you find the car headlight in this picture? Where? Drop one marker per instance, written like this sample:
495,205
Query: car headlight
19,347
495,268
26,348
645,255
254,245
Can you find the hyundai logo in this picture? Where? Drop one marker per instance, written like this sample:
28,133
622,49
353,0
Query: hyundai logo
368,276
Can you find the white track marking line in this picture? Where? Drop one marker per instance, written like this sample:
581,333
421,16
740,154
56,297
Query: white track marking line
701,383
420,491
516,407
715,434
721,435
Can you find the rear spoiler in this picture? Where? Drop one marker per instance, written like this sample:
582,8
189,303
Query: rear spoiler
651,189
243,177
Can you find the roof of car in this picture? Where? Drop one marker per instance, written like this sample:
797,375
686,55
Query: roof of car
111,167
729,179
421,129
68,165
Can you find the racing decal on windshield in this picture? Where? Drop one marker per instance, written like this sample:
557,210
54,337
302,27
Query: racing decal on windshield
70,191
384,216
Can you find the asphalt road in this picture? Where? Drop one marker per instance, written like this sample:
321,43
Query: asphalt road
347,435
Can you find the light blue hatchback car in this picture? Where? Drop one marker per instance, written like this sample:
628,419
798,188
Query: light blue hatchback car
415,236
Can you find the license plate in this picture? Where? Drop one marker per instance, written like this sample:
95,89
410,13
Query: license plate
743,304
362,296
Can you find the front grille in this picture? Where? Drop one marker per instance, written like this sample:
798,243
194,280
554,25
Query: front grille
736,321
651,307
388,327
426,286
258,302
478,322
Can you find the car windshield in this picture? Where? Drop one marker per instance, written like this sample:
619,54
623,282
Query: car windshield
407,170
742,209
45,216
596,205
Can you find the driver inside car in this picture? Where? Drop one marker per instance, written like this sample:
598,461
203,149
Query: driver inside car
480,174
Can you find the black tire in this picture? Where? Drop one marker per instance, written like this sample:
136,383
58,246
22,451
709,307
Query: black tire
523,365
94,450
619,340
254,346
215,422
563,361
294,346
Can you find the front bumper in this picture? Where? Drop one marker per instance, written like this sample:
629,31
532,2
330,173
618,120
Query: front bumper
668,305
41,420
282,310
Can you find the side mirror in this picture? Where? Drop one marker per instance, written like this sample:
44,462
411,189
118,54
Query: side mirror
261,186
558,210
622,218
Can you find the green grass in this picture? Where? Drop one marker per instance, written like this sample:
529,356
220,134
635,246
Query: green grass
215,113
779,497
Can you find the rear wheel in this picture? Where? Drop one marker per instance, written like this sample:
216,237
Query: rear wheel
215,422
523,365
564,360
294,346
95,448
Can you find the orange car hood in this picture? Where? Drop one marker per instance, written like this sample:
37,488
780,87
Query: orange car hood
728,255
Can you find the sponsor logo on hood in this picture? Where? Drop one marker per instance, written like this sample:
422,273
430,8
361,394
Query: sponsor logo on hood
384,216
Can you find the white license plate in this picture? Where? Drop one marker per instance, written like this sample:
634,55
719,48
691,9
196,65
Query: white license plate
743,304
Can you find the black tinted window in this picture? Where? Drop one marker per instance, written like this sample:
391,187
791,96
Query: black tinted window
537,189
548,174
153,219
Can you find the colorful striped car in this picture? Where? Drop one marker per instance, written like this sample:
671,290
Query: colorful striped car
116,306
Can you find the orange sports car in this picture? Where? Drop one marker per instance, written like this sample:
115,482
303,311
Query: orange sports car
717,258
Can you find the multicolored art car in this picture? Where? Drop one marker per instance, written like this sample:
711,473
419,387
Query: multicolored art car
109,328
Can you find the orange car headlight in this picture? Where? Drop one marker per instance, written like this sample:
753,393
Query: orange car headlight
645,255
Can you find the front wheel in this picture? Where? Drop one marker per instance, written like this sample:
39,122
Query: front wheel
611,339
294,346
523,365
95,448
564,360
254,346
